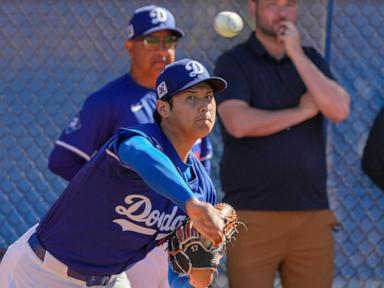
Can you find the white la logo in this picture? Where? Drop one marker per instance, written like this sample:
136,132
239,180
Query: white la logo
158,15
196,68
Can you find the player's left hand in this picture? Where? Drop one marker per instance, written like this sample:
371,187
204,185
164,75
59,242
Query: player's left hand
290,37
192,254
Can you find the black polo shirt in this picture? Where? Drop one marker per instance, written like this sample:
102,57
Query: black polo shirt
283,171
373,156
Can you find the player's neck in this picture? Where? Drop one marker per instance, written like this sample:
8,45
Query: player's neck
271,44
143,79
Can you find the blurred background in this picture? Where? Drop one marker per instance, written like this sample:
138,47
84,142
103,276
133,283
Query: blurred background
55,53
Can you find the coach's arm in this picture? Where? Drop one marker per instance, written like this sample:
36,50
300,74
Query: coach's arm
65,163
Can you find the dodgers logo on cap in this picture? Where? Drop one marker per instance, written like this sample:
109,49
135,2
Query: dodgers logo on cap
196,68
152,18
181,75
158,15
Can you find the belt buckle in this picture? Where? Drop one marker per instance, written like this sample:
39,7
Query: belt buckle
97,280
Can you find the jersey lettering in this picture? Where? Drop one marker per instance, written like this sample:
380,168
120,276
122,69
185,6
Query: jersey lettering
150,217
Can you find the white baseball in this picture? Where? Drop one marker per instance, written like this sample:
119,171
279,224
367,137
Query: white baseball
228,24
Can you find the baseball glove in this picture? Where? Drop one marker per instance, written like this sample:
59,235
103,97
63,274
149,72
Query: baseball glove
189,251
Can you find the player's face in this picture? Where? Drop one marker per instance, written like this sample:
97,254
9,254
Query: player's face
193,111
270,13
150,54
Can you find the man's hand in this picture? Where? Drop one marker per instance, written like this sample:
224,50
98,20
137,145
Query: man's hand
290,37
206,219
191,253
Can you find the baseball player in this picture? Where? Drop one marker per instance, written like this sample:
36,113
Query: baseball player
132,193
127,101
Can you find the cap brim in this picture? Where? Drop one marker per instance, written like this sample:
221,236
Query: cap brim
176,31
217,83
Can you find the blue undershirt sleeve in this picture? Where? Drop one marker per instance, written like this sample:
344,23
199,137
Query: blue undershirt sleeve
156,169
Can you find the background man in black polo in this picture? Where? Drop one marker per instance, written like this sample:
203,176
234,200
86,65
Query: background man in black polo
273,167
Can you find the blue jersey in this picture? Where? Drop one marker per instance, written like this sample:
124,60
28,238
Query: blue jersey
203,151
121,103
107,219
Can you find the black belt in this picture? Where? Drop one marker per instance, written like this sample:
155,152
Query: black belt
40,251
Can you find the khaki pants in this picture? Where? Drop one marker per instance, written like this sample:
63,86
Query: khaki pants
297,244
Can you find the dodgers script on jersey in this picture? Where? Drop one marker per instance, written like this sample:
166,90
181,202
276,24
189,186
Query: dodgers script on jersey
119,204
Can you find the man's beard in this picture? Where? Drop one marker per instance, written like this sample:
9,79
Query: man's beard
266,29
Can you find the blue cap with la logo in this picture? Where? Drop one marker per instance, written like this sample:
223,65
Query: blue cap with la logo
181,75
152,18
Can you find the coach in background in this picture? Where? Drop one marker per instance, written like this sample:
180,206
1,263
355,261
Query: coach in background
126,101
132,193
373,155
273,168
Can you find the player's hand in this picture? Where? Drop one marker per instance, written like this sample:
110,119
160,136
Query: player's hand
206,219
289,36
308,106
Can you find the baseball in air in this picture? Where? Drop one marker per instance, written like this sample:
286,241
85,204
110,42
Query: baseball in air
228,24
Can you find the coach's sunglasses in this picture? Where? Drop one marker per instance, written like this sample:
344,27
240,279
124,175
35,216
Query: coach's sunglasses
152,42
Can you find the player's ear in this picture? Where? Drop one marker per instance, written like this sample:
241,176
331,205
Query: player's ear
128,45
163,108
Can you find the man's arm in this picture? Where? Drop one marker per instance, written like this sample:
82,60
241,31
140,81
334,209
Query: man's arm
86,133
65,163
161,175
330,98
373,154
242,120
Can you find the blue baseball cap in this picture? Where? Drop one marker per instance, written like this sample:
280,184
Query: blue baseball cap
181,75
152,18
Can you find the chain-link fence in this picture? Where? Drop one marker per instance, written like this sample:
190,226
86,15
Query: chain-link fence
54,53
